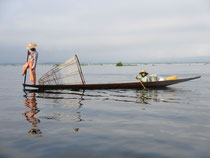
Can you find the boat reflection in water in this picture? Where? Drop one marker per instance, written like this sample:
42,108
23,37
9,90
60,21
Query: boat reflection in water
67,103
63,98
30,102
65,106
154,95
147,96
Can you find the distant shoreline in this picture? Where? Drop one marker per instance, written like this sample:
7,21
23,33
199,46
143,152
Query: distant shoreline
143,60
125,64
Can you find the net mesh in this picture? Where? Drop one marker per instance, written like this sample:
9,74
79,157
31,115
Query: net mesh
67,73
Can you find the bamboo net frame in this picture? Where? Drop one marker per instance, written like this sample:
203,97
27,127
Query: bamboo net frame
69,72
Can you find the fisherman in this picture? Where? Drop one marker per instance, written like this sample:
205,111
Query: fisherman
144,76
32,62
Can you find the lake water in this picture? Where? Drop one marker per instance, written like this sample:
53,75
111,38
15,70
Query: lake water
172,123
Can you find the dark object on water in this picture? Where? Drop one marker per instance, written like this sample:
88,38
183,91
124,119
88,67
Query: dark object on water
119,64
131,85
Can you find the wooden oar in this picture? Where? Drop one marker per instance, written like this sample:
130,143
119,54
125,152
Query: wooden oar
142,84
25,73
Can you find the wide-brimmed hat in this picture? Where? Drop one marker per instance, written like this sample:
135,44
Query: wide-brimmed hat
31,45
143,71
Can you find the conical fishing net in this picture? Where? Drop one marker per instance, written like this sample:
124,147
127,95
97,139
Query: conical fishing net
67,73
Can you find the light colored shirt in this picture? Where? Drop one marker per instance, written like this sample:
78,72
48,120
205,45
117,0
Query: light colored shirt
33,57
143,79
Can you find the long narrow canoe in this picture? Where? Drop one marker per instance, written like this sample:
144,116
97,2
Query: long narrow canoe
131,85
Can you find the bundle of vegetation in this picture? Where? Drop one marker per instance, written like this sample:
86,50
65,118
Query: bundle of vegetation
119,64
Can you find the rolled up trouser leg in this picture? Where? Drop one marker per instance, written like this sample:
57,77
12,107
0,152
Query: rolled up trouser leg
32,72
33,75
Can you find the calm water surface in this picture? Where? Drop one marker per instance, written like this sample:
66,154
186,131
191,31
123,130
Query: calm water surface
173,122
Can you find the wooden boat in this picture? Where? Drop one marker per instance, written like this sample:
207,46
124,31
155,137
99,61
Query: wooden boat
130,85
69,76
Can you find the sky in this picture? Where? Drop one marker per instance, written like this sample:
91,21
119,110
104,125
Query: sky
104,30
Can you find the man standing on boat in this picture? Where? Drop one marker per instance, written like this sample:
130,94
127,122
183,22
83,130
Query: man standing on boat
31,62
144,76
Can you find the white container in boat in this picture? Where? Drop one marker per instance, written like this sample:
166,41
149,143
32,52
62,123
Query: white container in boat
161,78
153,78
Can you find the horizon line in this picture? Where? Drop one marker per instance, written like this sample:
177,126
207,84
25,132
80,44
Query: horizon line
93,63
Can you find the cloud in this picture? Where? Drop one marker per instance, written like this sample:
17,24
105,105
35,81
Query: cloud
104,30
